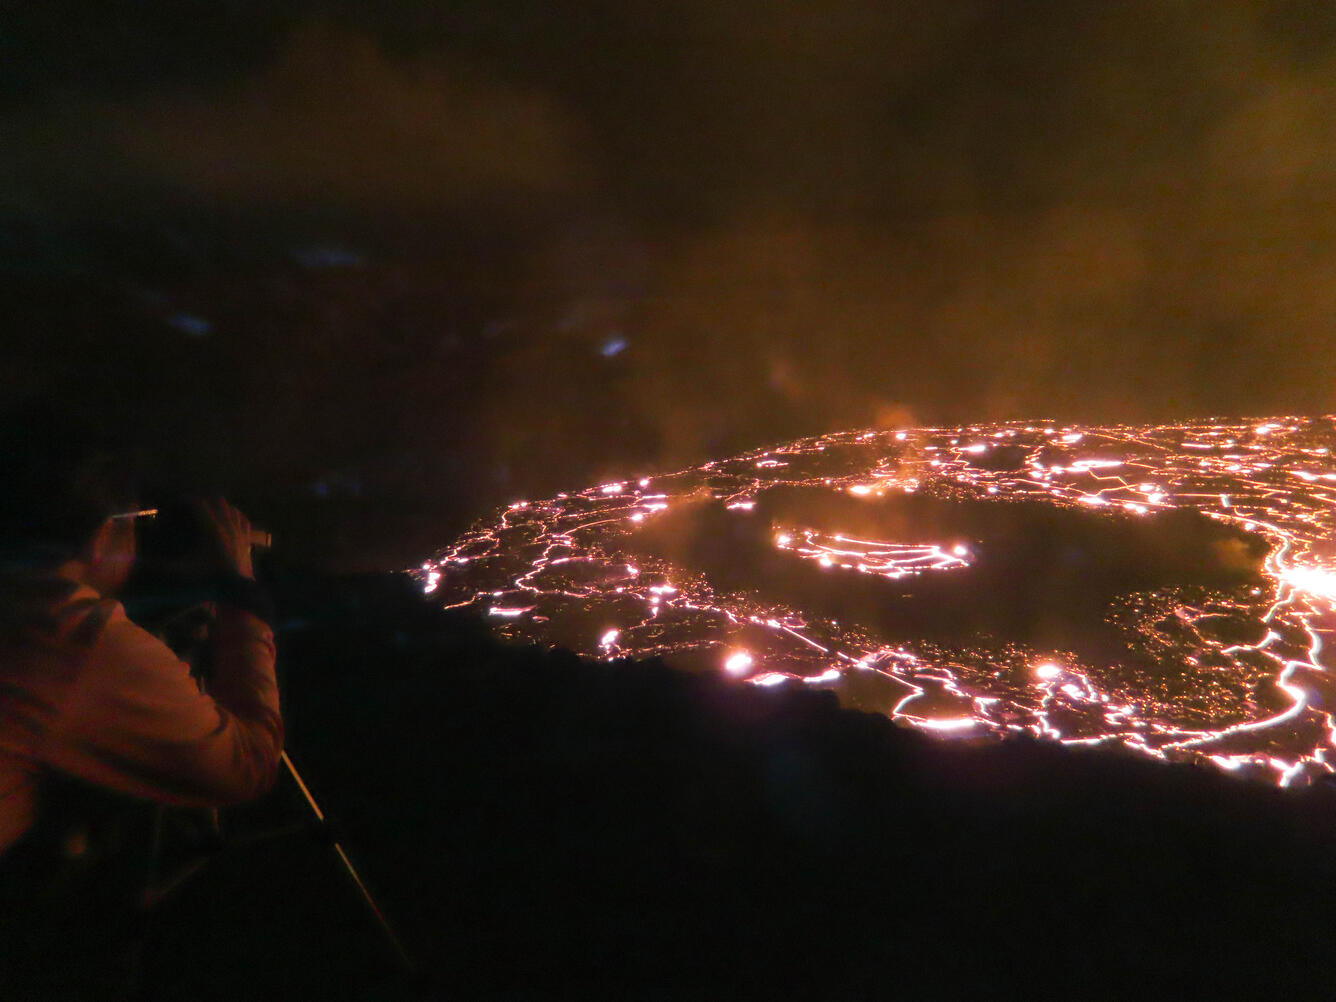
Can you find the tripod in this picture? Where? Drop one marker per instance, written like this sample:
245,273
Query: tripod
188,632
391,938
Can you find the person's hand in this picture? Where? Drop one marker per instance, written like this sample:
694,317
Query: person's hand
230,532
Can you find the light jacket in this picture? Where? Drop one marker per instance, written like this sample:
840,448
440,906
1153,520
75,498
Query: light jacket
86,692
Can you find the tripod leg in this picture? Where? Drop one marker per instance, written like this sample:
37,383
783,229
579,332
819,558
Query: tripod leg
405,961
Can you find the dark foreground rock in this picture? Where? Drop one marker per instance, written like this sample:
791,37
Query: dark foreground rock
540,827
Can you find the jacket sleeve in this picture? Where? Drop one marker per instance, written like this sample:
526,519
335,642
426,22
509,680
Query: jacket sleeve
137,722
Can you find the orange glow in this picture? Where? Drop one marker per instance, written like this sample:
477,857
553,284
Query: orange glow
738,664
1275,478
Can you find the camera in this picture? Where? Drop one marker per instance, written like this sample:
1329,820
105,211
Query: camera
177,576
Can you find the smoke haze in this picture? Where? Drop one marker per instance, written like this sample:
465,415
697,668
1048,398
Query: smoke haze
481,250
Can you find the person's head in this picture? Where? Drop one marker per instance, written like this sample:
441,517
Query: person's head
64,489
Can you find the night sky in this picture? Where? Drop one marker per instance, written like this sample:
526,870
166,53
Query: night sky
374,268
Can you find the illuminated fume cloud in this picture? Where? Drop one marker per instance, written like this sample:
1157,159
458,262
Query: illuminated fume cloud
1317,581
738,663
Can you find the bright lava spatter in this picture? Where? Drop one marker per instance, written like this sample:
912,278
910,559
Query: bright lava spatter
1254,699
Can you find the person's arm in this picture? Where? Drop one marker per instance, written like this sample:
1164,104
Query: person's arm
137,722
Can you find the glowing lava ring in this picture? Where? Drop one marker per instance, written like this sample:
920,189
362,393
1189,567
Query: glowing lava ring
1168,588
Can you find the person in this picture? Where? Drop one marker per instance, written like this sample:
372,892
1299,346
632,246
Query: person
86,694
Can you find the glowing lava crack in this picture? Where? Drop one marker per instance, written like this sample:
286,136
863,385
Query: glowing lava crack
776,589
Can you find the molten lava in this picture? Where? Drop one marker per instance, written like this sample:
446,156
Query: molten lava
1169,589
